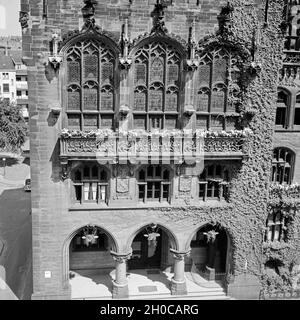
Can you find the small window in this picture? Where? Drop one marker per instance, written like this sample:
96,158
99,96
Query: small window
19,93
5,87
275,227
18,78
91,184
213,183
281,111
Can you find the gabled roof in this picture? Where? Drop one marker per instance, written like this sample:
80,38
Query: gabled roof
6,63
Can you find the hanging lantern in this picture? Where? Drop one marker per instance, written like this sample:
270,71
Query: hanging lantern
90,235
152,236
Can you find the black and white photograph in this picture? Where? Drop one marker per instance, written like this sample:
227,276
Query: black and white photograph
149,152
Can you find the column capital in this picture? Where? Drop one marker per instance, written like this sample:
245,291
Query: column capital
180,255
121,257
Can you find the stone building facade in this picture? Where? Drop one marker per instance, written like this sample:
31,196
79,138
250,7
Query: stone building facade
152,139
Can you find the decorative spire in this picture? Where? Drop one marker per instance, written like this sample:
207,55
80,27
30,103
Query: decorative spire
158,15
125,62
192,63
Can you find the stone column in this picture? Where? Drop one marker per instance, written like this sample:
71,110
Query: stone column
178,283
120,284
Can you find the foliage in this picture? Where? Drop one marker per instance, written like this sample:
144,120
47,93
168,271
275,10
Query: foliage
13,128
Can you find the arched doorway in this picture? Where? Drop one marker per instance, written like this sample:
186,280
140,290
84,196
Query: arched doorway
90,265
150,268
209,252
151,248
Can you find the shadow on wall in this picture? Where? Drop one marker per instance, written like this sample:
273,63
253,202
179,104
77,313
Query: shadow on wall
15,230
56,167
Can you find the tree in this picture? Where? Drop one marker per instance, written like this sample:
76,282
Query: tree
13,128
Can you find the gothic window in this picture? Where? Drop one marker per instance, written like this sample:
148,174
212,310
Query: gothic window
90,85
99,240
297,113
282,165
213,111
91,184
156,77
275,227
282,110
154,184
213,183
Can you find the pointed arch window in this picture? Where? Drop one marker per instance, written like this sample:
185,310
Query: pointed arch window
91,184
90,85
283,165
156,78
213,110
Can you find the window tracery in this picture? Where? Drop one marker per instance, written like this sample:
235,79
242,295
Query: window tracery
214,76
156,77
90,85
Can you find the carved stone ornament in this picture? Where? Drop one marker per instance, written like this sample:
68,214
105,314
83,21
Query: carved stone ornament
124,61
65,169
120,258
23,19
180,255
158,15
88,10
55,59
122,185
185,184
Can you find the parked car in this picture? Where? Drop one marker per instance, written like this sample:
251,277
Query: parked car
27,186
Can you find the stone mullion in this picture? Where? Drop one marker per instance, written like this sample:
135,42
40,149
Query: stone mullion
82,86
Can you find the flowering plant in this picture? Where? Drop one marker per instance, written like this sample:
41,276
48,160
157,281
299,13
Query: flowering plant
228,134
99,133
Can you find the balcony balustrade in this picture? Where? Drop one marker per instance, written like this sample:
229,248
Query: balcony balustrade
134,146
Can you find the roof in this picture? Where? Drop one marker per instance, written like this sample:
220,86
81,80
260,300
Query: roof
16,55
6,63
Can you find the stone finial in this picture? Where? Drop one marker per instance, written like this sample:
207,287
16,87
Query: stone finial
225,19
192,63
125,62
158,15
55,59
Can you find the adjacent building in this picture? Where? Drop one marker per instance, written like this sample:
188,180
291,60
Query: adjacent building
163,141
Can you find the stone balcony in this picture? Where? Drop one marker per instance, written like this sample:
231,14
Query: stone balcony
140,146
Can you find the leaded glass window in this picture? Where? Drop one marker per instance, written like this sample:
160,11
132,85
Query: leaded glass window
91,184
90,85
283,165
154,184
214,183
156,77
211,92
276,226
